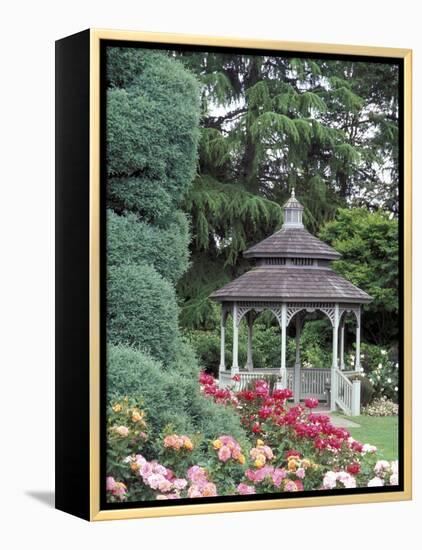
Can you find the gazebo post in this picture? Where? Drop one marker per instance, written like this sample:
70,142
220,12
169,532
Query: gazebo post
357,357
222,366
334,365
249,360
283,370
235,362
342,344
297,361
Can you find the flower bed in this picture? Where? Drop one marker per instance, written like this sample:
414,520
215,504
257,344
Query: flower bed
286,449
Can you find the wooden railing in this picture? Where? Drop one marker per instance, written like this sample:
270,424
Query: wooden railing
347,393
313,382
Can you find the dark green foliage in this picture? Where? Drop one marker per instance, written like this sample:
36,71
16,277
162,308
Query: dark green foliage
142,310
224,217
150,201
328,128
171,396
369,245
130,241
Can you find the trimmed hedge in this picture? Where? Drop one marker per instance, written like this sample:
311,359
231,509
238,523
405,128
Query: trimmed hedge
142,310
152,126
130,241
150,201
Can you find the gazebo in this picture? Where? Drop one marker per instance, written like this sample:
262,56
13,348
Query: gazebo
292,278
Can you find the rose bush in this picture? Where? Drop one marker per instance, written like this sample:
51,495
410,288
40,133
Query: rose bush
289,449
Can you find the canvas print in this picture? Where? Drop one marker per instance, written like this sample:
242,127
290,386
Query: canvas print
252,208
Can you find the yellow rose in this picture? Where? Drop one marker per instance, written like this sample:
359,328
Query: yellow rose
241,459
306,463
260,443
136,416
217,444
259,463
134,466
292,466
117,408
188,444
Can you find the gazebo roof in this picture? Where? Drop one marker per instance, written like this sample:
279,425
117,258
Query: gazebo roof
292,243
293,266
274,283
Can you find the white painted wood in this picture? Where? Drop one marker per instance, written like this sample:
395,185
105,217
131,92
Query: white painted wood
235,362
313,381
342,366
249,360
335,359
355,398
222,366
297,377
357,357
283,373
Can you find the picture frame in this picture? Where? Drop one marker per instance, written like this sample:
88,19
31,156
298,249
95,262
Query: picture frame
81,275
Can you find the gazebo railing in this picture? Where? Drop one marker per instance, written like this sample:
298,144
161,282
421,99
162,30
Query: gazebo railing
313,382
347,393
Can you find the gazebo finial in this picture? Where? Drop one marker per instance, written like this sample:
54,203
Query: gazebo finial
293,193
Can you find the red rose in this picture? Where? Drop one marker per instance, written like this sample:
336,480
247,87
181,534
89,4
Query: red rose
256,428
311,403
353,468
264,412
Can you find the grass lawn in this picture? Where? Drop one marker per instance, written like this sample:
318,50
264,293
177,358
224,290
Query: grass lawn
381,431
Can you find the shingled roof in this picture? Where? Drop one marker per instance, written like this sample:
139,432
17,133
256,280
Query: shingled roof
292,243
291,284
289,279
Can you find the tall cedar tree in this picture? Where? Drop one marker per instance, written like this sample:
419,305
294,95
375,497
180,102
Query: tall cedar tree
327,128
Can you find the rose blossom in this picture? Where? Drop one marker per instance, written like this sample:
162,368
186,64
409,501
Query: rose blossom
122,430
278,475
165,485
290,486
311,403
368,448
244,489
300,472
381,466
224,453
110,483
330,480
180,483
376,482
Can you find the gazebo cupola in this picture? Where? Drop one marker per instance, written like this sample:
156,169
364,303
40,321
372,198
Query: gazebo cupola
292,277
293,212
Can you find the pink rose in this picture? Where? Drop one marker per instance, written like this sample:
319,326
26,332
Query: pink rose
180,483
244,489
110,483
300,472
194,492
224,453
290,486
165,485
278,475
